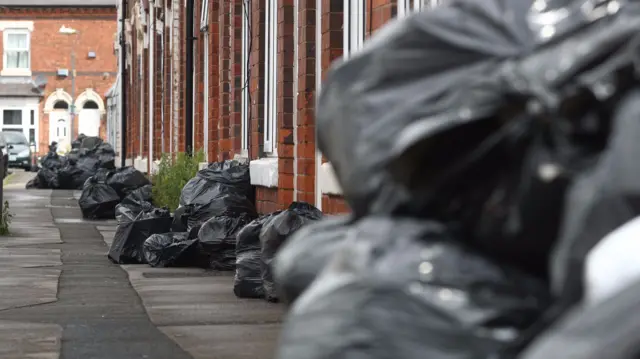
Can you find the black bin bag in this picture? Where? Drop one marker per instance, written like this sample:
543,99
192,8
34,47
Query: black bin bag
275,233
98,200
606,330
128,242
403,288
223,188
248,278
126,179
306,253
172,250
419,67
217,240
135,202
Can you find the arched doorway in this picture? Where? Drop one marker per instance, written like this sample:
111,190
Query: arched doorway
57,107
91,108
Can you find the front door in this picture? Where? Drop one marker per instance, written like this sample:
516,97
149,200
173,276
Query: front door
59,129
89,122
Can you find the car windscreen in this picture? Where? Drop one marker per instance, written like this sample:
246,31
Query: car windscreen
15,138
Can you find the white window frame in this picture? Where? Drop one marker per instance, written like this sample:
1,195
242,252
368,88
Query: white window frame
6,71
271,79
244,79
406,7
354,26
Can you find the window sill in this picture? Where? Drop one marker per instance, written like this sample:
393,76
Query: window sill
264,172
15,72
327,180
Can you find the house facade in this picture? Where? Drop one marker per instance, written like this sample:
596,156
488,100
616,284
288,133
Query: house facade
238,79
58,62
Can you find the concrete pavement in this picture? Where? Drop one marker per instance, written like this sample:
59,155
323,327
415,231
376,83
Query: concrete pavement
60,297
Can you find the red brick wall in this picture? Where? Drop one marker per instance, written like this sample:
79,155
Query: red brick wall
306,101
51,50
224,79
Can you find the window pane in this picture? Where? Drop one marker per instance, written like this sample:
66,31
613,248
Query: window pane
33,118
32,135
17,59
17,41
12,117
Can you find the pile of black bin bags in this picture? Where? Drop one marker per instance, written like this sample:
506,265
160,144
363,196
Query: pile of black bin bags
88,155
483,160
105,190
215,227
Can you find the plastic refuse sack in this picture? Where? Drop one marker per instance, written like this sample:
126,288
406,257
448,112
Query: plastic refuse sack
600,200
128,242
231,205
306,253
404,288
47,178
135,202
219,179
612,264
419,67
608,330
217,240
106,155
73,176
90,143
172,250
98,199
181,219
126,179
33,183
223,188
274,234
248,278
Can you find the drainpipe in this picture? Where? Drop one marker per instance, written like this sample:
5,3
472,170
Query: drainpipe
318,190
123,87
188,96
152,40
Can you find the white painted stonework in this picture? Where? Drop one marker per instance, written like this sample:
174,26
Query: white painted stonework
327,180
264,172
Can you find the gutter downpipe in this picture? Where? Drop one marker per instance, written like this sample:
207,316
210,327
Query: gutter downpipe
188,96
123,87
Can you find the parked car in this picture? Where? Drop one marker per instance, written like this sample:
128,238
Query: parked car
19,150
5,155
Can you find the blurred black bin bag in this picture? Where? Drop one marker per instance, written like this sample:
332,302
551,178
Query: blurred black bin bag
223,188
274,234
419,67
126,179
98,199
607,330
248,279
171,250
306,253
128,242
217,240
403,288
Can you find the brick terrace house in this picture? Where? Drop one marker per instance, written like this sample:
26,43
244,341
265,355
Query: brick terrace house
238,79
37,90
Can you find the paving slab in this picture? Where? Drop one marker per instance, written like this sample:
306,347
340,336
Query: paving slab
29,257
19,340
227,341
197,309
23,287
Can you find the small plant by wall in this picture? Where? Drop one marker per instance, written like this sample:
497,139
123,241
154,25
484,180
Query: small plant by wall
172,175
5,219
